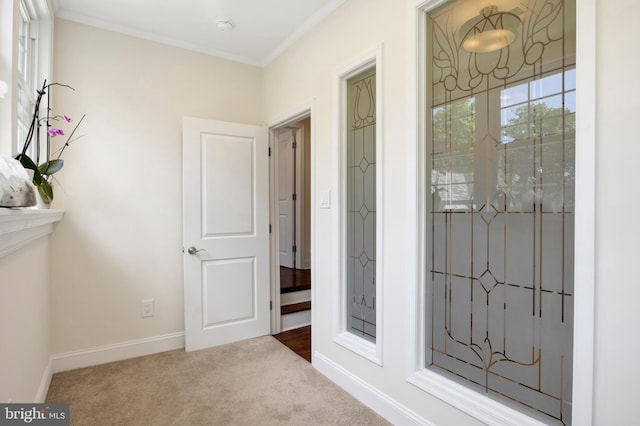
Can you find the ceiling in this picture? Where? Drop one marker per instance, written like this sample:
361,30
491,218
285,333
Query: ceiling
261,29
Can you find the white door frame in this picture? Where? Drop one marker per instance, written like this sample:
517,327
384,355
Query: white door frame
274,244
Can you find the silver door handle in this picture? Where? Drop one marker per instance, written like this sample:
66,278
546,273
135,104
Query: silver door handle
193,250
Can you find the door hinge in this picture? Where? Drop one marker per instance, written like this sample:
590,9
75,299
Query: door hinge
294,249
294,197
269,228
295,145
269,151
270,305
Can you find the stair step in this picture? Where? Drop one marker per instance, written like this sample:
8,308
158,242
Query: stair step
295,297
292,289
296,307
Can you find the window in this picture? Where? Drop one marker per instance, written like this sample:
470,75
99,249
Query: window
361,204
29,60
500,154
27,72
358,105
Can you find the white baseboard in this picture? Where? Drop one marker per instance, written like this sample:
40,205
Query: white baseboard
379,402
117,352
44,383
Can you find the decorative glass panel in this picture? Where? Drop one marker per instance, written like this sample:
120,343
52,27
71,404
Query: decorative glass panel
501,126
361,205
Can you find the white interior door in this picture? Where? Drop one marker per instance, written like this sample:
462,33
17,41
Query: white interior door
226,232
286,185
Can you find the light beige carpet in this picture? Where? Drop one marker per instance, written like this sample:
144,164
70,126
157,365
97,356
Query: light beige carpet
255,382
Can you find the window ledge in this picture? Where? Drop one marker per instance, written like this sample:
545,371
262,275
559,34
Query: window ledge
19,227
481,407
360,346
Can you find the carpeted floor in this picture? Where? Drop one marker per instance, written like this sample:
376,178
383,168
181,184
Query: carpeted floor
255,382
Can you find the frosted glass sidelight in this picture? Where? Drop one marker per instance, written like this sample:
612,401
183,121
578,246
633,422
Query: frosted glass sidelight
501,131
361,205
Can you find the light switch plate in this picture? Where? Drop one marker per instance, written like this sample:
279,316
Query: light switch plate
325,199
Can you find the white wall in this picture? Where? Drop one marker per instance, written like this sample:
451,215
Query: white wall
306,71
617,335
24,321
121,238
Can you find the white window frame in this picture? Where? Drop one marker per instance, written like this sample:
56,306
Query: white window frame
475,404
26,84
366,349
40,14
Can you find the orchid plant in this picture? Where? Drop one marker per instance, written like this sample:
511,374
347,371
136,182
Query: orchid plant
42,174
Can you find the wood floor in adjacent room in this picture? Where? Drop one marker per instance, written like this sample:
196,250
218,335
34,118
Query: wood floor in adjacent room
298,340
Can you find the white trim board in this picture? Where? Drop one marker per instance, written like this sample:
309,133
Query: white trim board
19,227
370,58
45,382
379,402
306,26
292,116
116,352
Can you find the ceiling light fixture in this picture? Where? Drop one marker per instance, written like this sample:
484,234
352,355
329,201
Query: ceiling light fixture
224,24
489,31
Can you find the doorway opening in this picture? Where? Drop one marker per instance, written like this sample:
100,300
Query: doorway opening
291,232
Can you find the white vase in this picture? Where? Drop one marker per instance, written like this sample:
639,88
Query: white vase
40,204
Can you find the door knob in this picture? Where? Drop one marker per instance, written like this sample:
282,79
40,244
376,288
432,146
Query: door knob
193,250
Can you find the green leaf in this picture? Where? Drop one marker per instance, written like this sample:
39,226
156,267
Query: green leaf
28,163
50,167
46,192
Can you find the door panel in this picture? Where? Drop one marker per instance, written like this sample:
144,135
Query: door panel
226,223
228,208
286,186
229,290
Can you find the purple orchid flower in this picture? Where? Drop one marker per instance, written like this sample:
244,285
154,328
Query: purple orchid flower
55,132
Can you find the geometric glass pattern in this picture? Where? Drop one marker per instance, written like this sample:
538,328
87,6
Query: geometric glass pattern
361,204
501,157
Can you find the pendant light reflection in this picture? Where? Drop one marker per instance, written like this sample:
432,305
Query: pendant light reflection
489,31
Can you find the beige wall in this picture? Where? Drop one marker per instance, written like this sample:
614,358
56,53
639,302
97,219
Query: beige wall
115,247
121,238
306,70
24,321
